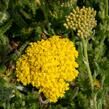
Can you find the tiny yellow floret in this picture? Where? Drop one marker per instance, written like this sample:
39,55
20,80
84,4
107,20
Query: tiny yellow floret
49,65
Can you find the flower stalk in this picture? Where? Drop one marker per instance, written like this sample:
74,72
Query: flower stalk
86,61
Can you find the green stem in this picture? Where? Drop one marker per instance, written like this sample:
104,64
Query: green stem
44,8
86,61
95,102
106,11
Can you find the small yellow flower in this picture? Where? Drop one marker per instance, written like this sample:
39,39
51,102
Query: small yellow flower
97,84
49,65
82,20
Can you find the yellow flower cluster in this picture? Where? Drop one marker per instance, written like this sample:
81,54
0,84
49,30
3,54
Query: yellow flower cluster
49,65
82,20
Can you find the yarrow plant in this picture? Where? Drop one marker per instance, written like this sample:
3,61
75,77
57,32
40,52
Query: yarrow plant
49,65
82,20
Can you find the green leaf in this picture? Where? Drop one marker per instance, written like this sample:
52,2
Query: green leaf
5,93
5,27
2,68
2,82
18,19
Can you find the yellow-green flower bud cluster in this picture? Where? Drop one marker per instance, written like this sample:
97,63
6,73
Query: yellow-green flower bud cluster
82,20
49,65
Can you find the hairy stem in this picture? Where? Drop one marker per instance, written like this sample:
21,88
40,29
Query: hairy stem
86,61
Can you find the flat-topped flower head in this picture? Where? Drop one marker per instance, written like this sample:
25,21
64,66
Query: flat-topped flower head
81,20
49,65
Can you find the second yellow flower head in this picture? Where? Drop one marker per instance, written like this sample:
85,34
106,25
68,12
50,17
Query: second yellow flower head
82,20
